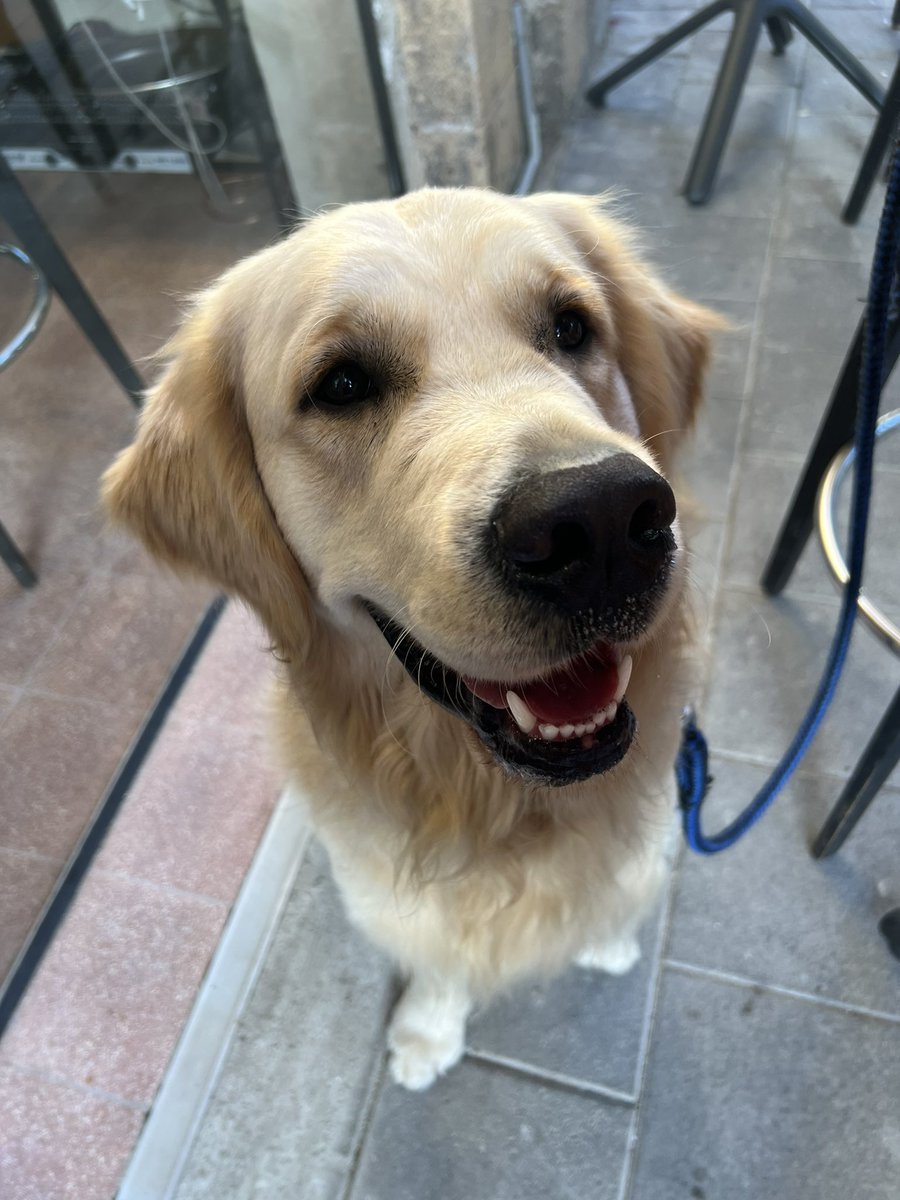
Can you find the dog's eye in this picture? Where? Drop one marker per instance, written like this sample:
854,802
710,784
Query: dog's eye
345,384
570,330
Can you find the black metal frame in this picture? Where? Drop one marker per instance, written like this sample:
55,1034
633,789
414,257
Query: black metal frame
779,17
882,752
887,122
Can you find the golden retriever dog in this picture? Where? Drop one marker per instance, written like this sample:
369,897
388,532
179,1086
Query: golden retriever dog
428,441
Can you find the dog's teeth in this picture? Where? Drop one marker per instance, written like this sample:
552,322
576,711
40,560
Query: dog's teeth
548,732
590,727
567,730
599,717
579,730
522,714
611,709
624,677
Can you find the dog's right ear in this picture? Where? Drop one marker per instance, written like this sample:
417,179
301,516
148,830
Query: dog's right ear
188,486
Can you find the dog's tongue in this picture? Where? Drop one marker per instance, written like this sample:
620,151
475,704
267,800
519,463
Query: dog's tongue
576,691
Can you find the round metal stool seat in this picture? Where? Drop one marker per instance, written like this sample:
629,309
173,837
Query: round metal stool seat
826,521
35,318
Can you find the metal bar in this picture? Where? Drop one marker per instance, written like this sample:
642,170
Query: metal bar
394,161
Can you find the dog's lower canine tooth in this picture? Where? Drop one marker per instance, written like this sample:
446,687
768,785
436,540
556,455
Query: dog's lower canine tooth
624,677
522,714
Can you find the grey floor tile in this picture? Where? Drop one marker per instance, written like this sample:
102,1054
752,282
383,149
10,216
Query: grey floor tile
791,390
813,305
485,1134
586,1025
767,911
809,224
840,139
704,540
283,1118
708,49
768,656
751,1096
865,32
707,459
764,114
826,91
765,487
632,28
727,375
719,257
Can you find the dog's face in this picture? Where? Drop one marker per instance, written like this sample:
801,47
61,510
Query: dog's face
440,425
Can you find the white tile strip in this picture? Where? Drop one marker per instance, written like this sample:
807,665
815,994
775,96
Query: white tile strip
161,1153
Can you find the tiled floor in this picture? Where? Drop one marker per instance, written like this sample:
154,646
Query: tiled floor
755,1051
85,653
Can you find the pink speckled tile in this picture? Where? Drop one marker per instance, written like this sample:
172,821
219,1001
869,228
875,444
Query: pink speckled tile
56,758
9,696
108,1002
197,810
60,1143
30,618
121,639
25,883
233,678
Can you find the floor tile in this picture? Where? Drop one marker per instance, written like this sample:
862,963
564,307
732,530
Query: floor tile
106,1005
809,226
727,375
57,757
768,656
817,930
25,884
790,318
284,1116
841,139
196,811
826,91
707,459
586,1025
32,618
765,488
122,638
720,257
708,49
232,681
485,1133
60,1143
791,390
752,1095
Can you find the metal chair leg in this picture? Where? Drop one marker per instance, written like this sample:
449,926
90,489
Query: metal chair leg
887,123
22,217
780,34
830,47
835,431
596,93
15,560
878,760
723,104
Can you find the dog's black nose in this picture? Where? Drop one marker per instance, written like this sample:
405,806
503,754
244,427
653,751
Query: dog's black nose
586,537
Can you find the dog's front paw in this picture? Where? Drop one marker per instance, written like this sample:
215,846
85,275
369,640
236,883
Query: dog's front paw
417,1060
615,958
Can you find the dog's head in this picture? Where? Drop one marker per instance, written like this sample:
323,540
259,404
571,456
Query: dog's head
441,427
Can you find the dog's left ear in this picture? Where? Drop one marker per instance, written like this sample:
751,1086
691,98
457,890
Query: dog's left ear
663,340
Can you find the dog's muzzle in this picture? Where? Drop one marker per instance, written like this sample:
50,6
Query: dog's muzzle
585,553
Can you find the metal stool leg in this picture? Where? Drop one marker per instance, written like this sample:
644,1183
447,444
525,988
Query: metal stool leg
829,47
780,34
596,93
21,215
835,431
878,760
878,143
14,559
717,124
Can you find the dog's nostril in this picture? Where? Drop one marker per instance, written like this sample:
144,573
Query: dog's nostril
648,523
553,550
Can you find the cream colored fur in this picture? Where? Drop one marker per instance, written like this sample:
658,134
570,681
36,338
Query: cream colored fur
469,878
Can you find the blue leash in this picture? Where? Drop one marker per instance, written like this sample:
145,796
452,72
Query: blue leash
691,768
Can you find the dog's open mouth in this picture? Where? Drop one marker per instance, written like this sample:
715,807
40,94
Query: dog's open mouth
566,726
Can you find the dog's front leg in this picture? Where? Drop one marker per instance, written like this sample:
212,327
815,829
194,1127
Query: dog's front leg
427,1033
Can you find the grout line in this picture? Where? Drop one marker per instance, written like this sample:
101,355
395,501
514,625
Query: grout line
761,760
167,889
364,1124
60,1079
775,989
162,1151
553,1078
649,1024
31,855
